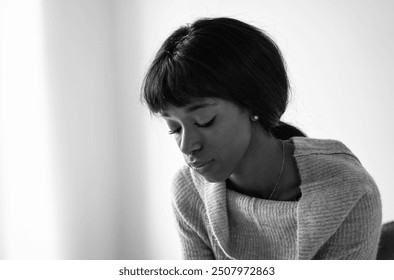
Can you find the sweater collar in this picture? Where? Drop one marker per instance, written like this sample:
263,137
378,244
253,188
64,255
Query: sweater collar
318,200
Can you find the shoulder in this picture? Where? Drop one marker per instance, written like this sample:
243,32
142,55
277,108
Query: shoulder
187,182
335,188
187,190
332,162
306,146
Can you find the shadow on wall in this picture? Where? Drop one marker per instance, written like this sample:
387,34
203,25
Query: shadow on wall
99,157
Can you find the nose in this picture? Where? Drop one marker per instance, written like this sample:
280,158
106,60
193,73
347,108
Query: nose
190,142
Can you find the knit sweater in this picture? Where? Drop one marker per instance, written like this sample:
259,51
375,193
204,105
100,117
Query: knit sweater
337,217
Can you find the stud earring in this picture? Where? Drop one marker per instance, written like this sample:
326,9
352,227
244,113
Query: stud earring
255,118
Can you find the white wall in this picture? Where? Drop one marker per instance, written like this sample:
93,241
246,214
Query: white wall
97,130
27,225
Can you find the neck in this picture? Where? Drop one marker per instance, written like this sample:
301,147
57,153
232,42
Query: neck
260,167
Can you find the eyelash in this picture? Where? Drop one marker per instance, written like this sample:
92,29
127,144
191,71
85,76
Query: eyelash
208,124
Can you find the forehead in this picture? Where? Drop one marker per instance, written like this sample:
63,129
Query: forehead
193,106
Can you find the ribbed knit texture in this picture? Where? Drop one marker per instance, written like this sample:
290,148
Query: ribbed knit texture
337,217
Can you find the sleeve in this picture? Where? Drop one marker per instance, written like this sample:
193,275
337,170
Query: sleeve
357,238
190,219
193,242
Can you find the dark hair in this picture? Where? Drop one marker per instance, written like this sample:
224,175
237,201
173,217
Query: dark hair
222,58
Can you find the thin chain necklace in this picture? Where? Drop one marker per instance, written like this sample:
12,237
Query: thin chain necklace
281,170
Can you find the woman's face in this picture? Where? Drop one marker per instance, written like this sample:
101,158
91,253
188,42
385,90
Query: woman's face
213,135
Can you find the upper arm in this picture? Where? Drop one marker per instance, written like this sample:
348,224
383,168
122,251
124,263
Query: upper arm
189,213
358,235
194,241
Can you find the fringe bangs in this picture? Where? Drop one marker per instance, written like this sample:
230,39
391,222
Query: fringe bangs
173,83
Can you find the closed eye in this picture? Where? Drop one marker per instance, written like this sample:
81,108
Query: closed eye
208,123
176,131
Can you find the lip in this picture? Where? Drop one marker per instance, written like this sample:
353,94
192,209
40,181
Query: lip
200,165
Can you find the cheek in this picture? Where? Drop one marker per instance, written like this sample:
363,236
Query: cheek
232,142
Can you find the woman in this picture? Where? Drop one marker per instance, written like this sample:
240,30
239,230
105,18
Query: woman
254,187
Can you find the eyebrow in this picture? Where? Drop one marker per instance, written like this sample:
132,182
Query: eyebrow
192,108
